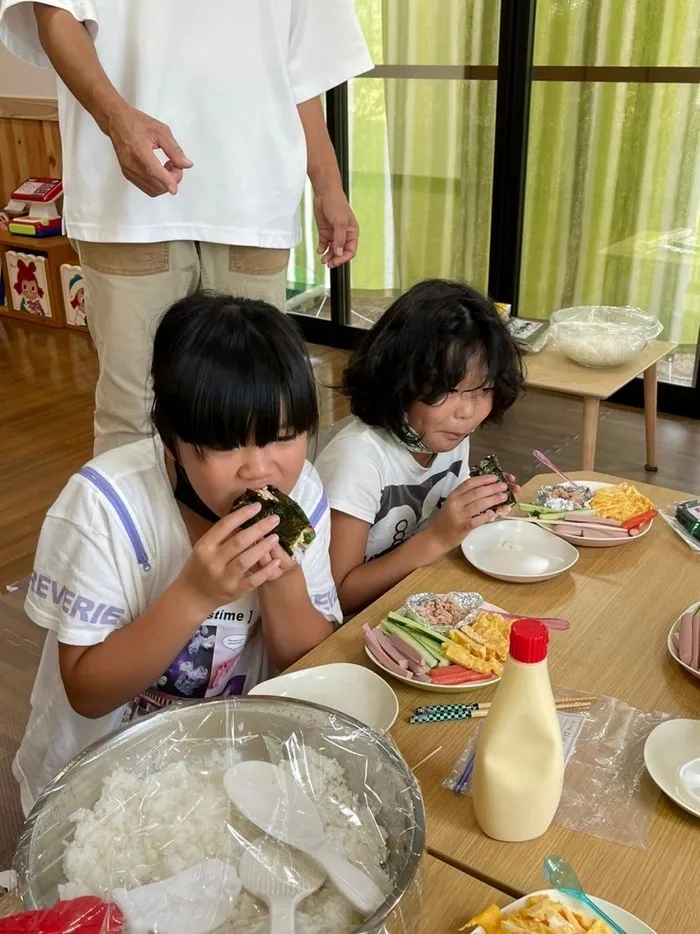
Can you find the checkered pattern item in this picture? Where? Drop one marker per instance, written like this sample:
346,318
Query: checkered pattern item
443,712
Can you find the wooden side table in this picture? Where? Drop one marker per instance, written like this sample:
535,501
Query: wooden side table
55,251
555,373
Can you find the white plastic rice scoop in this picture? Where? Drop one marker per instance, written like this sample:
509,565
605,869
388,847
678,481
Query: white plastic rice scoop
281,877
194,901
273,801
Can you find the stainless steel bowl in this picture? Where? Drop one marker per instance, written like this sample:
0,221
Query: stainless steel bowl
373,768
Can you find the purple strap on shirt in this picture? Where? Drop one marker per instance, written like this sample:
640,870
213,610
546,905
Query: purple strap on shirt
119,506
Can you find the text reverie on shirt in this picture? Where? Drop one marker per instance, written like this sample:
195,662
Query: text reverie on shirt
73,604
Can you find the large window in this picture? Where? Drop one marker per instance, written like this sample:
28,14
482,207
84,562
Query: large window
545,149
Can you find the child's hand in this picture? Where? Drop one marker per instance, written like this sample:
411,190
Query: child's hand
226,563
285,563
466,508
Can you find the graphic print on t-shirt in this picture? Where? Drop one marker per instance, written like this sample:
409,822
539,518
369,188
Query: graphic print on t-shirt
405,505
206,666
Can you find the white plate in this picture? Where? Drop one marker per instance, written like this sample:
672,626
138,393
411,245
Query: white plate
628,922
671,647
596,485
351,689
441,688
672,758
518,551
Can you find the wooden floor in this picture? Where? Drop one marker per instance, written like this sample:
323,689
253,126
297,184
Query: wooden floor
46,394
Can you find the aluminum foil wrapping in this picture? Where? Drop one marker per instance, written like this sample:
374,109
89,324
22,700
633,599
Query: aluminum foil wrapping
551,497
469,604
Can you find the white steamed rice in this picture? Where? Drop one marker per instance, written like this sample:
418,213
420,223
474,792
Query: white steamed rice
147,828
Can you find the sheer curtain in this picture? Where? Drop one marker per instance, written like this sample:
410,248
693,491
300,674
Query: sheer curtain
613,186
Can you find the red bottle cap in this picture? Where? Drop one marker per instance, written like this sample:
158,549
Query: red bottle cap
529,639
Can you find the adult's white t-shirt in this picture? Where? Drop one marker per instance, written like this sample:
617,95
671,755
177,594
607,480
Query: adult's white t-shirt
101,562
369,475
226,77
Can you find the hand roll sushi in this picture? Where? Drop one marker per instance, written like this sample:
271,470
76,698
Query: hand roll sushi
294,530
491,466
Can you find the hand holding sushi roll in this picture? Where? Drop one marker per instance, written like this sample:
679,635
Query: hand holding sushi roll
473,503
225,563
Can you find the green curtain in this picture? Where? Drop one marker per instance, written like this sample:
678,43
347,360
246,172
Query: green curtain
613,181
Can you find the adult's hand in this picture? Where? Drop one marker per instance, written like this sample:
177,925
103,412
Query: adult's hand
135,137
338,230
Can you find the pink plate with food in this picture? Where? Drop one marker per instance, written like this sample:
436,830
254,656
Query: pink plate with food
424,642
684,640
590,524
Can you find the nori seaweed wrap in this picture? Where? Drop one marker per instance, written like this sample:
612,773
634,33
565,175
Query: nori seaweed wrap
490,466
295,531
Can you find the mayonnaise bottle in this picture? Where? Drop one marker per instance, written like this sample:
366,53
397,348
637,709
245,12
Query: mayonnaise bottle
519,762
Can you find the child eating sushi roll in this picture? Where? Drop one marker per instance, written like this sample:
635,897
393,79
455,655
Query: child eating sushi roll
166,569
439,363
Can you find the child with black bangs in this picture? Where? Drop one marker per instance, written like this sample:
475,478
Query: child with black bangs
148,585
438,363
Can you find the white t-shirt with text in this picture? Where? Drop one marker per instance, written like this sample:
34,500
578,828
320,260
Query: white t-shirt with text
226,77
94,574
369,475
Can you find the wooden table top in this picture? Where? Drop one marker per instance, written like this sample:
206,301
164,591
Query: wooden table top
451,897
616,646
555,372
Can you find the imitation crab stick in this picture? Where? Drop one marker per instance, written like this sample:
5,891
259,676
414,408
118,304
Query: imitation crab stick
640,519
455,674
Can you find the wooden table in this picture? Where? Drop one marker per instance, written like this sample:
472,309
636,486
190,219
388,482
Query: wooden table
451,897
616,646
554,372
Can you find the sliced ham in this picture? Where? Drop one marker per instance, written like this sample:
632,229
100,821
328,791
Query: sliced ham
376,649
390,649
572,517
408,650
685,639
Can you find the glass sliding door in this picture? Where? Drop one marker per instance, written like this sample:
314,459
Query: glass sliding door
612,210
420,146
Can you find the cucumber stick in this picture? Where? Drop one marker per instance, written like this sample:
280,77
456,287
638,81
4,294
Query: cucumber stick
419,628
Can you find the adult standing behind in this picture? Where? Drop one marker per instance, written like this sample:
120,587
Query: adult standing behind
188,130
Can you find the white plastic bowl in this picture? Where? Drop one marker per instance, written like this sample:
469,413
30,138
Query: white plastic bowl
518,551
627,922
602,336
672,758
351,689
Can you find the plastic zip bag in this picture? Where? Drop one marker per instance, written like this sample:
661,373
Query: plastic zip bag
607,791
668,514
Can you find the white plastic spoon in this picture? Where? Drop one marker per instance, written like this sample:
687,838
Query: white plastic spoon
281,877
194,901
275,803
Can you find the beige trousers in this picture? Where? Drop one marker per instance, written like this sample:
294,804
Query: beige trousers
128,286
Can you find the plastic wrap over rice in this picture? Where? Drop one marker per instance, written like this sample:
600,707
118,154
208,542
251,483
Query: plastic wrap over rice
165,835
444,612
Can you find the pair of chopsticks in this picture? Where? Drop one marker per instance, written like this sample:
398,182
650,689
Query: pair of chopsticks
440,713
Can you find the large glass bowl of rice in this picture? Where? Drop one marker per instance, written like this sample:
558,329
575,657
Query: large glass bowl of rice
149,801
602,335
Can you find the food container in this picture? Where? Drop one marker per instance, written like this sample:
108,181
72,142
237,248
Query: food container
602,335
420,607
383,793
563,497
